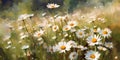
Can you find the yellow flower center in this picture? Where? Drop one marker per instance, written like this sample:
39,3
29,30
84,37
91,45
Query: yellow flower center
80,33
55,28
92,56
39,34
52,6
105,32
95,30
71,24
94,40
63,47
66,28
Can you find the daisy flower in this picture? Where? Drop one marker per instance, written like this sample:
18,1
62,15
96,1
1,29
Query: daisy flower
109,44
82,47
66,28
72,43
72,23
52,6
93,40
102,48
92,55
80,33
55,28
24,16
62,47
73,55
38,33
106,32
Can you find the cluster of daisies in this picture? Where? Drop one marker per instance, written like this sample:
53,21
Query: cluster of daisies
63,35
90,40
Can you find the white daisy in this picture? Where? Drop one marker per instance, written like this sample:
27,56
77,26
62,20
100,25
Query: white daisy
55,28
52,6
38,33
106,32
72,43
24,16
93,40
109,44
73,56
72,23
62,47
82,47
102,48
66,28
80,33
92,55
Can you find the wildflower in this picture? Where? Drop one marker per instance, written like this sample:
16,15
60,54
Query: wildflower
72,23
55,28
109,44
82,47
72,43
52,6
73,55
92,55
38,33
62,47
93,40
102,48
106,32
80,33
24,16
66,28
101,20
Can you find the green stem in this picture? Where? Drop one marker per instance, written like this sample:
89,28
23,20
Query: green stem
64,56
